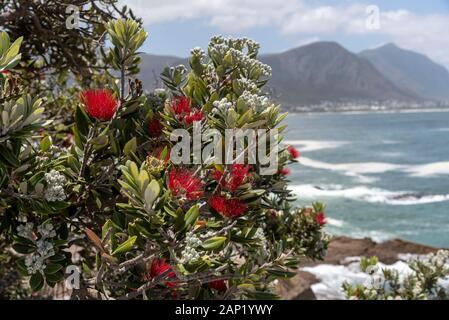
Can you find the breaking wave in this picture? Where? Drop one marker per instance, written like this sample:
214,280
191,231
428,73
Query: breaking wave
366,194
359,168
315,145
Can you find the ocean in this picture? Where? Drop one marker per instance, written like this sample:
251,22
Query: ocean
382,175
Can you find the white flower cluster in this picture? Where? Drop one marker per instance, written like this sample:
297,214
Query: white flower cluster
246,62
35,262
247,85
46,231
260,235
179,68
190,254
26,230
259,103
55,188
198,52
432,261
222,46
427,278
236,43
222,105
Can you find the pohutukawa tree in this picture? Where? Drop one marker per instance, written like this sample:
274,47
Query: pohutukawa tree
138,223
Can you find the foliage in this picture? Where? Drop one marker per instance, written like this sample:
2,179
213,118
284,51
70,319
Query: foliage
145,226
427,279
60,36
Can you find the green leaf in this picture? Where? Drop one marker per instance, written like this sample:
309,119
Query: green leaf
104,230
22,267
22,248
130,147
214,243
36,282
52,268
125,246
281,273
82,122
191,216
151,193
55,277
46,143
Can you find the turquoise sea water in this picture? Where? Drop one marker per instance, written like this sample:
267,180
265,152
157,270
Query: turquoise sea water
382,175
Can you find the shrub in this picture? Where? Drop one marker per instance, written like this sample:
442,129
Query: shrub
144,225
426,279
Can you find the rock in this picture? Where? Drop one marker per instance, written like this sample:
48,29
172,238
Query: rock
298,287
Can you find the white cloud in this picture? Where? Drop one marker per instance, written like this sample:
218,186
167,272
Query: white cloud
425,33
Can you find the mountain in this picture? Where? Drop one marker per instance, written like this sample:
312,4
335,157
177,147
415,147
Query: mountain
322,71
410,70
151,67
325,71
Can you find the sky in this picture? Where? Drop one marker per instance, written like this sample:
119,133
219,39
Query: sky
176,26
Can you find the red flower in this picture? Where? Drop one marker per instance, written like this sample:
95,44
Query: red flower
284,171
181,105
100,103
154,127
159,267
5,72
227,207
321,218
193,116
293,152
185,183
234,178
219,285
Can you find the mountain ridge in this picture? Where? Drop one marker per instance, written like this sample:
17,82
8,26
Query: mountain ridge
326,72
409,69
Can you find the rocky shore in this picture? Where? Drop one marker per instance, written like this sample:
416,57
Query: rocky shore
342,251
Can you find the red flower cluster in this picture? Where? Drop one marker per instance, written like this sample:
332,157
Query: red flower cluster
284,171
181,105
219,285
234,178
184,112
159,267
321,218
154,127
182,182
193,116
227,207
99,103
293,152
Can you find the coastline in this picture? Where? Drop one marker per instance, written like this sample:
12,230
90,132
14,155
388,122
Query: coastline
342,252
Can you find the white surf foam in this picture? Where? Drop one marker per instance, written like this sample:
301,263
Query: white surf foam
357,169
366,194
314,145
352,168
390,154
335,222
332,277
429,170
